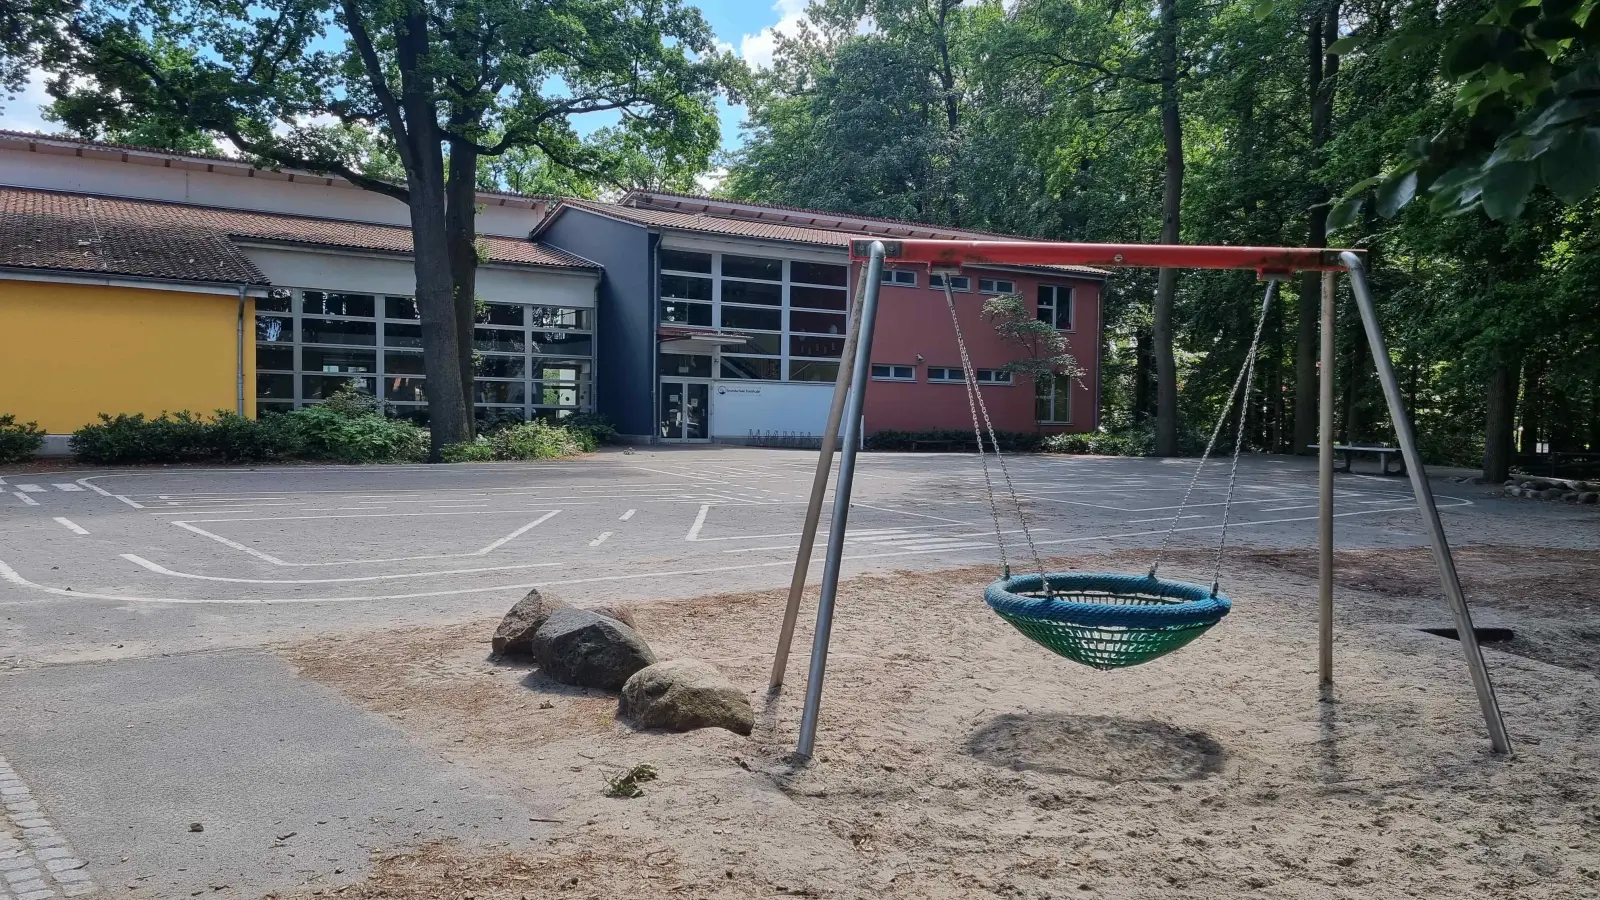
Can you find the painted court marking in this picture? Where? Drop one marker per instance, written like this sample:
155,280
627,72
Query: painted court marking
25,498
628,515
601,539
30,488
267,557
67,487
70,525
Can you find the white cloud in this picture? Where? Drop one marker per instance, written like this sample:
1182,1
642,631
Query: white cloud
757,49
710,181
24,112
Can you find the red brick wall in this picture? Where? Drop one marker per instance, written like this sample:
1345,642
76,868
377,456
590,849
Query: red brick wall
913,321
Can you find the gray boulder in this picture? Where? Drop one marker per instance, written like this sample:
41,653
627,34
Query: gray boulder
514,636
576,646
685,694
621,612
1589,497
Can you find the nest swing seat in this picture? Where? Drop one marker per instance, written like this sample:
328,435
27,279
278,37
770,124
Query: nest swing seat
1107,621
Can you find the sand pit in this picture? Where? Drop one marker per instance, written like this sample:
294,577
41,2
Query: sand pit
956,759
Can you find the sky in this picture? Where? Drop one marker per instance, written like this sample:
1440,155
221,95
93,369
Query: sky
748,27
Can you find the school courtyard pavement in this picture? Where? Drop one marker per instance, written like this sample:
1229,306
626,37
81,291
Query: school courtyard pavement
136,608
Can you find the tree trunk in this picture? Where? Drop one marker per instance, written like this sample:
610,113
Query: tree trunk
1323,31
461,215
1354,423
1501,417
1166,437
1143,362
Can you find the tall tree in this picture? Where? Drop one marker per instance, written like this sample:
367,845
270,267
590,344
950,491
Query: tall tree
1321,73
440,84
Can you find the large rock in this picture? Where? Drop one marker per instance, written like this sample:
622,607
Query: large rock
514,636
619,611
576,646
685,694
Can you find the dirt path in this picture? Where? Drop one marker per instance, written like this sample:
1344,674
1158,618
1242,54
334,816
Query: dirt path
958,760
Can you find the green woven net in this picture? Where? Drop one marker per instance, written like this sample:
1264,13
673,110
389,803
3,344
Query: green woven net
1105,647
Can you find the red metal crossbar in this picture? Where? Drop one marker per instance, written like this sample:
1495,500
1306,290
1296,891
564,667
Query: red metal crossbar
1263,260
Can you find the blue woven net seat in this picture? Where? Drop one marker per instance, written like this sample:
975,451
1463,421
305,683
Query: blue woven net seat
1107,621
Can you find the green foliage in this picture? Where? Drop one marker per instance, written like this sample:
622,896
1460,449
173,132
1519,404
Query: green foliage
1526,112
479,450
313,433
1045,347
19,440
539,439
626,785
353,399
598,427
1010,441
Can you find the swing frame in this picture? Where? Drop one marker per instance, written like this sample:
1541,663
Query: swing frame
1269,263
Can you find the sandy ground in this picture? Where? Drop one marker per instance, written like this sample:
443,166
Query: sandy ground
956,759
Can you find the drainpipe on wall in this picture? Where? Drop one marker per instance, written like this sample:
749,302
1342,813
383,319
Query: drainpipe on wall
239,365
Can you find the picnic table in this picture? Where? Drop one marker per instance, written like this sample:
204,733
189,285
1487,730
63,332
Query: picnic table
1344,455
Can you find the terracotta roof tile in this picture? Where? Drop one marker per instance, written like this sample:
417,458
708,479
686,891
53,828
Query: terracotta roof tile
48,230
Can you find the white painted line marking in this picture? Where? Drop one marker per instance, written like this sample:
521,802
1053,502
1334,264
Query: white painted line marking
699,523
70,525
628,515
69,486
601,539
25,498
30,488
267,557
1161,519
1286,508
163,570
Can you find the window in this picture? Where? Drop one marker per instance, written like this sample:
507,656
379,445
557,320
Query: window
946,374
993,376
682,287
996,286
1055,306
893,373
749,367
957,282
752,292
675,312
685,365
751,267
810,345
751,317
817,298
1053,400
813,370
900,277
818,273
311,343
816,323
685,261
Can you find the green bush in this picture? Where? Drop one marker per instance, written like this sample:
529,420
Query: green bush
18,441
479,450
335,434
1010,441
598,426
313,433
540,440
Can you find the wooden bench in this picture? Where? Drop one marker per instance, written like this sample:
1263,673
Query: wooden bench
1344,455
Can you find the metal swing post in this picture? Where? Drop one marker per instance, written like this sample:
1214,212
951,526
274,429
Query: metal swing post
1405,434
841,503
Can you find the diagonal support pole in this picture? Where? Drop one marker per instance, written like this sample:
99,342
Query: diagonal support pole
841,507
1406,435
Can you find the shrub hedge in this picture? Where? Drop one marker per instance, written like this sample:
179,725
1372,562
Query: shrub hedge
532,440
18,440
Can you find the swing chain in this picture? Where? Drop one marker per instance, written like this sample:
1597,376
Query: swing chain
1244,380
977,407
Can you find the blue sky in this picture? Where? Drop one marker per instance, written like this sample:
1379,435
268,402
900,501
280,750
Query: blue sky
745,25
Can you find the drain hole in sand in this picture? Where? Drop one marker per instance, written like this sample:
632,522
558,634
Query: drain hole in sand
1486,635
1098,747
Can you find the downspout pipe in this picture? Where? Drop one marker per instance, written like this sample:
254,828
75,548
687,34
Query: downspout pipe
239,354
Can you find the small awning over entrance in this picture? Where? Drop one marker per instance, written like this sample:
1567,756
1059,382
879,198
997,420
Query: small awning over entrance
679,339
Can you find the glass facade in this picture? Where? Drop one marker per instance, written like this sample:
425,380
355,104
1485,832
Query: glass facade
531,361
793,312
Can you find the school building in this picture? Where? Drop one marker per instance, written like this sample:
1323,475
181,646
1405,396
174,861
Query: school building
139,280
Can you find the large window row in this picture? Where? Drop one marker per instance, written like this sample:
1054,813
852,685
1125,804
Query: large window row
792,313
529,360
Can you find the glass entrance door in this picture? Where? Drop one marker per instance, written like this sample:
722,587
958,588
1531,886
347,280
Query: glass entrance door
685,411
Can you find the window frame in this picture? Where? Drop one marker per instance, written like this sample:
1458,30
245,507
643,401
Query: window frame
894,372
996,377
959,284
944,378
994,286
892,277
1056,398
1055,306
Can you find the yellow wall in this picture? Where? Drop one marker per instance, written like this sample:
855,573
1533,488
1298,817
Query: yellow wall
70,351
